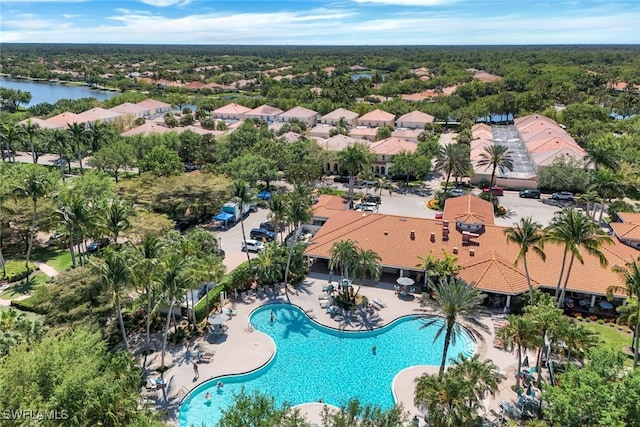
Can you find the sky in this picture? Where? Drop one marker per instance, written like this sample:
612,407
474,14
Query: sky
316,22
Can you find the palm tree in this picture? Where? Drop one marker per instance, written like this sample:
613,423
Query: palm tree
367,262
484,376
145,267
429,265
242,195
448,267
455,300
115,218
58,141
497,157
116,276
354,159
527,235
344,255
451,158
76,217
278,207
173,282
631,289
519,334
11,135
35,185
588,198
444,398
78,135
268,267
298,213
32,131
544,316
97,135
575,231
607,185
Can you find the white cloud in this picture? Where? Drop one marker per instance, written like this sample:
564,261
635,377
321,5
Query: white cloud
165,3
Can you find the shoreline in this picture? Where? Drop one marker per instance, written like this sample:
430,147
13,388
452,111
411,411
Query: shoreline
73,83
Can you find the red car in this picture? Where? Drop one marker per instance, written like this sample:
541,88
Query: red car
439,215
496,191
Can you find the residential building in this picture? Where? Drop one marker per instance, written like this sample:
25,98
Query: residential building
66,118
305,115
333,118
411,135
129,109
363,132
321,131
100,114
414,120
44,124
628,230
230,112
153,107
377,118
264,112
384,151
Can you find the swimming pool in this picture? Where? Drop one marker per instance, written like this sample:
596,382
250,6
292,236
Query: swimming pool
315,362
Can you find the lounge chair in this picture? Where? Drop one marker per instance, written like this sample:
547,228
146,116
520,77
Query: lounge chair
379,303
151,384
331,310
230,312
324,303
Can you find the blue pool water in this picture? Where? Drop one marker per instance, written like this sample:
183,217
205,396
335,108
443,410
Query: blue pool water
313,362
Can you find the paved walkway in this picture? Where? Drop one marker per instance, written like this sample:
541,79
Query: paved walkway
244,350
46,269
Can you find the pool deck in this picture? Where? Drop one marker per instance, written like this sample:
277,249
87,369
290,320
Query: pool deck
242,349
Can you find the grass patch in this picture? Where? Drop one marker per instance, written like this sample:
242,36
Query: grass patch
28,315
612,338
24,287
59,259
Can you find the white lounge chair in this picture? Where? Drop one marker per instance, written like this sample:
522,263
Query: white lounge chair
379,303
324,303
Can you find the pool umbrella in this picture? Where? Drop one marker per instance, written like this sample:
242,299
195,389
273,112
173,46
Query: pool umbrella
605,305
405,281
217,319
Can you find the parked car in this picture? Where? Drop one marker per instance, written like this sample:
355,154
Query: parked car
373,199
456,192
562,195
267,226
98,244
341,179
262,234
370,207
495,190
252,246
530,194
438,215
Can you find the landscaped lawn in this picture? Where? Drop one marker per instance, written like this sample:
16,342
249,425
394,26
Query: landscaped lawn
28,315
612,337
24,287
59,259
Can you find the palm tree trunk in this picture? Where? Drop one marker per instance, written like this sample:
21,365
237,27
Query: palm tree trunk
121,322
350,190
636,336
148,320
32,232
493,176
2,264
71,251
193,309
447,341
446,186
601,211
519,366
166,333
564,260
79,162
566,282
526,272
286,271
244,236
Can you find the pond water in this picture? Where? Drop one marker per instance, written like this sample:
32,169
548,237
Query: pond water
53,92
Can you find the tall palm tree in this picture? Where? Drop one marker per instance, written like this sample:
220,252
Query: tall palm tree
32,131
576,232
450,159
36,184
76,132
145,267
74,214
455,300
448,267
354,159
115,218
607,185
483,375
173,282
97,135
527,235
518,334
429,265
278,207
631,289
242,195
11,135
59,143
367,262
116,276
497,157
298,213
344,255
268,267
545,316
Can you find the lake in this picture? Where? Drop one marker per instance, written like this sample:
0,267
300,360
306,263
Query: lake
52,92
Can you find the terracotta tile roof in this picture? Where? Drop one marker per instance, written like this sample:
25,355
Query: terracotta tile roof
99,114
546,158
297,112
152,103
491,272
534,123
146,129
327,206
422,71
390,146
339,142
481,131
552,144
469,209
377,116
407,134
129,108
66,118
44,124
633,217
340,112
290,136
231,109
390,237
194,85
626,231
416,116
483,76
363,132
264,110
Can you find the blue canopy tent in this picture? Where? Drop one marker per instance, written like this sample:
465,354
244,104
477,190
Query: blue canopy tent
264,195
223,217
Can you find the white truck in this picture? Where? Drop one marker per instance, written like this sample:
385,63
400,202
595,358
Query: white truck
233,208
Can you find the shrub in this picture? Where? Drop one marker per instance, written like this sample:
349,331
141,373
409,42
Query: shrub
600,322
16,270
28,304
578,316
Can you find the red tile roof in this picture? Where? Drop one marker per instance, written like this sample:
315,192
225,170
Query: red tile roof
390,146
377,116
328,205
468,208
